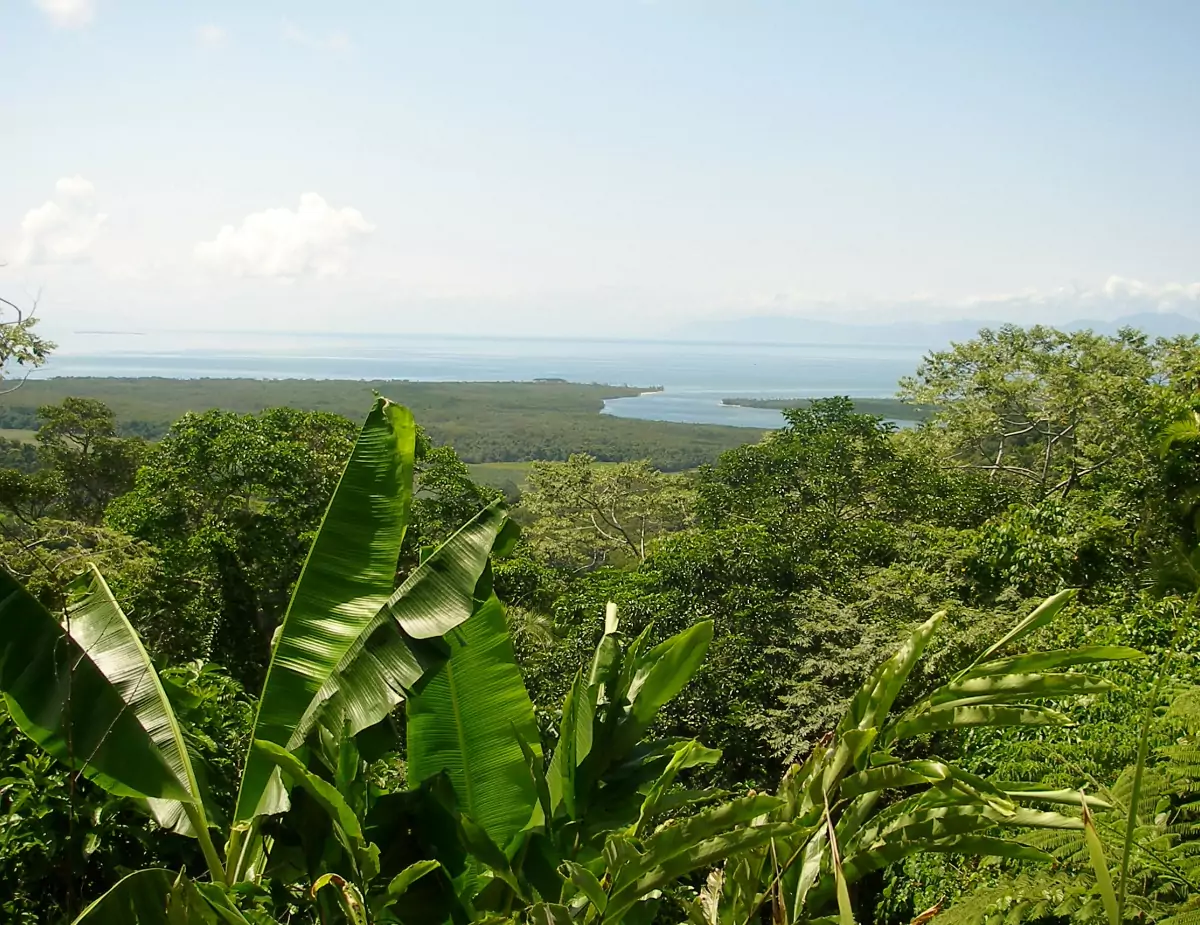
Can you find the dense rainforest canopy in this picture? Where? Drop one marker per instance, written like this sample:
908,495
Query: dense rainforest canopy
844,671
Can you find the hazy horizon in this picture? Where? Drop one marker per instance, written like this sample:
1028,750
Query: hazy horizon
616,169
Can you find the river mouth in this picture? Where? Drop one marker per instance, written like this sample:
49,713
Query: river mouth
691,407
706,406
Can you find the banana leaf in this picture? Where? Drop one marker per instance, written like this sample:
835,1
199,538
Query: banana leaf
85,690
346,580
397,648
574,744
151,897
469,720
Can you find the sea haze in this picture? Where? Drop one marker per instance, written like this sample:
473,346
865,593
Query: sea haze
694,376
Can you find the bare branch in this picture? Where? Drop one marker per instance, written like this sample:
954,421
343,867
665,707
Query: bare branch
18,385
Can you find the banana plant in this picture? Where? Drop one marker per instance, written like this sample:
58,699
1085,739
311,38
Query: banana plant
490,828
857,804
352,646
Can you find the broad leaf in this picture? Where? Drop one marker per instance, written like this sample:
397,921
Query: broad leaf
995,688
390,657
400,883
1060,797
186,906
324,793
224,907
951,716
140,898
662,672
845,910
690,755
917,773
682,836
468,720
1040,617
657,872
1056,658
348,895
874,699
889,852
1104,884
346,580
585,881
85,690
574,744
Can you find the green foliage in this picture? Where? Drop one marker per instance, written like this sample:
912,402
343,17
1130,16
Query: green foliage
22,350
349,650
1051,410
892,409
63,840
20,455
1037,548
516,835
859,804
1088,880
483,421
795,565
78,442
585,515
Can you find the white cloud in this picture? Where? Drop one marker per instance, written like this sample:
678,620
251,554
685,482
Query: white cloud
211,36
1115,298
313,240
62,229
1118,296
68,14
332,41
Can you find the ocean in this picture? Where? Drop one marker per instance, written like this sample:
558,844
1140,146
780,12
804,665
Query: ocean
693,376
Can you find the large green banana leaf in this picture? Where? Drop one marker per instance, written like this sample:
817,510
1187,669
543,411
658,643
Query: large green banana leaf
468,721
346,580
648,680
140,897
396,649
574,744
86,691
350,646
152,897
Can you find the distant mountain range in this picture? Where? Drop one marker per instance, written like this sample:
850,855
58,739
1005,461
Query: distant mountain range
776,329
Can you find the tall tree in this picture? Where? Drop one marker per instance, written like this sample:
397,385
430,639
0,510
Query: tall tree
230,501
21,348
78,442
1049,408
589,514
828,462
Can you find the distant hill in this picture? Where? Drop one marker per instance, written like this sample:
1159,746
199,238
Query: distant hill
1153,323
777,329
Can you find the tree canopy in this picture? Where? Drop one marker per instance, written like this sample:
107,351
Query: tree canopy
312,673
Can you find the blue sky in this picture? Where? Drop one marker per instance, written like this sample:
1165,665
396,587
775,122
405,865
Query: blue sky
588,167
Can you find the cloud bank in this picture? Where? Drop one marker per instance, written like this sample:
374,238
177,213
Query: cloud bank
68,14
313,240
1118,296
62,229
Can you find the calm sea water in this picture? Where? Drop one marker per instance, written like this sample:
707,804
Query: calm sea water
694,376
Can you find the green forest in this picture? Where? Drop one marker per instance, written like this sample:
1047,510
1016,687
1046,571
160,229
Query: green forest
485,422
286,661
892,408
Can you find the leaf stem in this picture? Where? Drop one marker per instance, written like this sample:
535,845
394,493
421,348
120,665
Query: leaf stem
200,824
